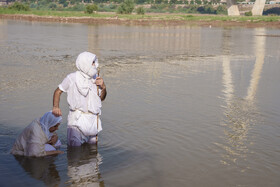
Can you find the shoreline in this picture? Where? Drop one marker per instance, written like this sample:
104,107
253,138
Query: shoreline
144,22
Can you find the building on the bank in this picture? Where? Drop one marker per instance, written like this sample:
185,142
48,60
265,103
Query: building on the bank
3,2
274,2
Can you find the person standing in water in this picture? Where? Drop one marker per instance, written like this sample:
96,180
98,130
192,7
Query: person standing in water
85,91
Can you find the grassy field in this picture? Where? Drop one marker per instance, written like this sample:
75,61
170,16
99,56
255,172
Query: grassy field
150,16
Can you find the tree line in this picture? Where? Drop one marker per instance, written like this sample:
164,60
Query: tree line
123,6
66,3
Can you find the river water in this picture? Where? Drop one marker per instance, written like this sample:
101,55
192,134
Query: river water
186,105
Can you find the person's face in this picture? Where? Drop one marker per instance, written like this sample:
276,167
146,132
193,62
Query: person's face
54,128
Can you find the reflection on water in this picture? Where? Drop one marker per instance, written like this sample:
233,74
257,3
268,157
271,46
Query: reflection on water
3,31
240,113
42,169
83,166
172,92
138,39
256,73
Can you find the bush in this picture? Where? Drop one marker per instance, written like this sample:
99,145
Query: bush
77,7
172,2
62,1
107,8
248,13
191,9
126,7
19,7
159,7
209,9
158,1
273,11
112,6
91,8
65,4
221,9
140,10
52,6
33,5
140,1
42,4
198,2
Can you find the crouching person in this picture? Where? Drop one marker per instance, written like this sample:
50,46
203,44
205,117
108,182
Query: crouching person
33,139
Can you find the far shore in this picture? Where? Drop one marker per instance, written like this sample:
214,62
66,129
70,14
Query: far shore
154,19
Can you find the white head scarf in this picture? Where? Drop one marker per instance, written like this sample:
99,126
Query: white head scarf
86,71
47,121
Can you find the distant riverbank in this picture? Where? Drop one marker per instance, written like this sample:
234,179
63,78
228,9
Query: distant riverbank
147,19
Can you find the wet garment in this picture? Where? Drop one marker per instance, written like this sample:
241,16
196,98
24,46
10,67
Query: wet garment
85,122
89,103
31,142
83,109
83,99
76,138
49,147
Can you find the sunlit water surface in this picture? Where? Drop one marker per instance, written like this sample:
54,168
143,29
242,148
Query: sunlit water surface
186,105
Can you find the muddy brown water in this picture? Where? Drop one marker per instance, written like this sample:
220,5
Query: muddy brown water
186,105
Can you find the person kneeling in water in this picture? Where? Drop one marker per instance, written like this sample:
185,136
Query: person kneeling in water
31,142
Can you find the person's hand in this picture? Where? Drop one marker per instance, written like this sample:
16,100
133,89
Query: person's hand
54,152
59,152
50,142
99,82
53,139
56,111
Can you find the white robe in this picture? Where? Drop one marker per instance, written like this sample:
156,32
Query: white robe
82,107
31,142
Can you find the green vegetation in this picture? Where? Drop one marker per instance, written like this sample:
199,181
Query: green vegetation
123,6
248,13
272,11
19,7
55,13
91,8
126,7
193,9
107,7
221,10
140,10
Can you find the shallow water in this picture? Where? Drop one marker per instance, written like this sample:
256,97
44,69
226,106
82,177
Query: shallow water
186,106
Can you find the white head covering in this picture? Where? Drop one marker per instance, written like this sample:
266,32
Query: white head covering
86,71
47,121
